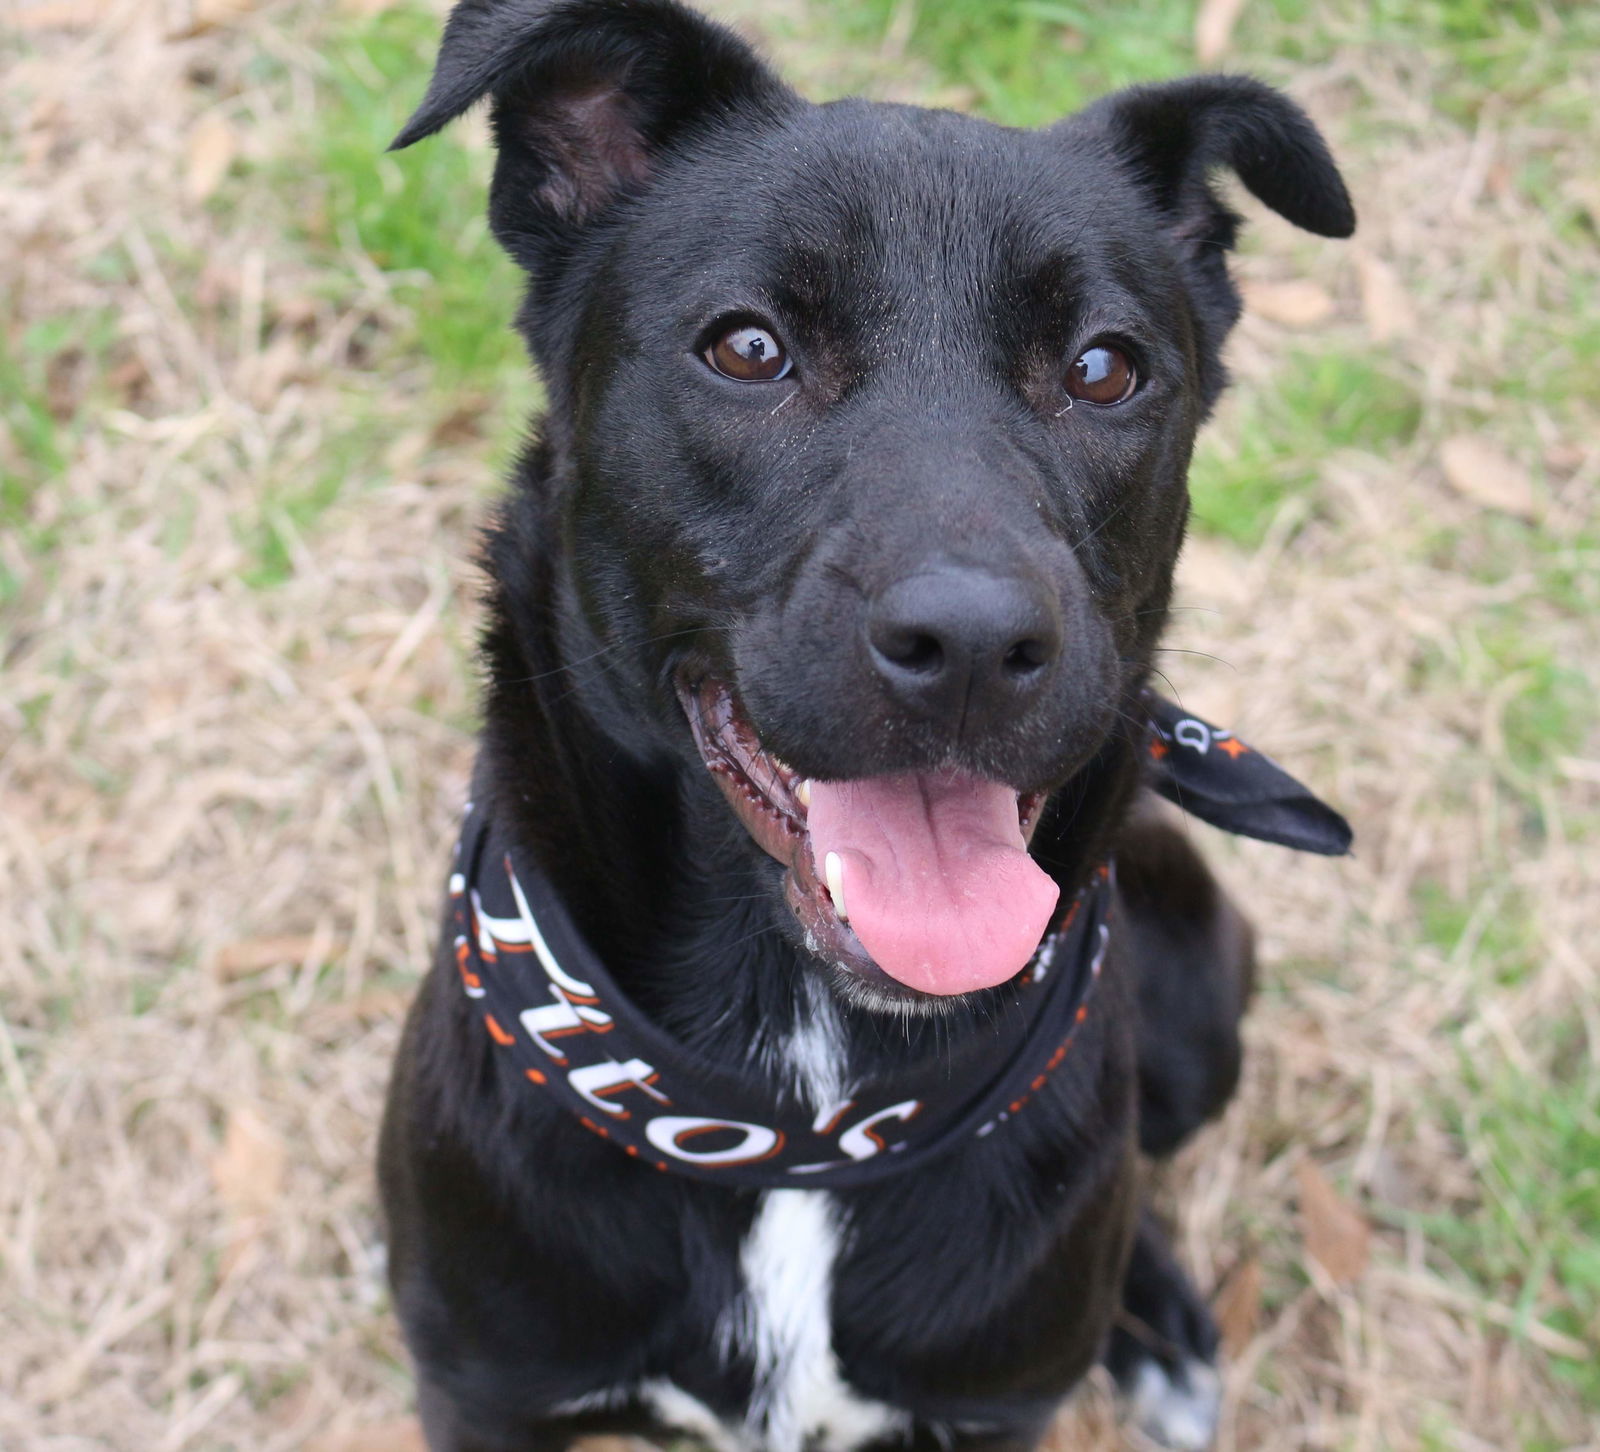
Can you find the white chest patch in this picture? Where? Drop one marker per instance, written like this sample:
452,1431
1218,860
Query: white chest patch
811,1057
783,1323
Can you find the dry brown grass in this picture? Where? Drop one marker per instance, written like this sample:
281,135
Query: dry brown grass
224,810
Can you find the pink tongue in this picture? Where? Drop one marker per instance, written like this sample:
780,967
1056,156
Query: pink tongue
938,884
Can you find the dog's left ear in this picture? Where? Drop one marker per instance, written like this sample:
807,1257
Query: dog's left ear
588,97
1170,137
1174,134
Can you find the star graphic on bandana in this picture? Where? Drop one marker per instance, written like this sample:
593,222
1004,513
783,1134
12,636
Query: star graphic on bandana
1233,746
1158,749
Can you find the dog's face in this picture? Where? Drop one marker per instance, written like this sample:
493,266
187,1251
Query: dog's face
872,427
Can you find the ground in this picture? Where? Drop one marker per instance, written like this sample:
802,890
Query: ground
255,392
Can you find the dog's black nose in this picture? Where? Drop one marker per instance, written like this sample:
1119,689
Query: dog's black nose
964,644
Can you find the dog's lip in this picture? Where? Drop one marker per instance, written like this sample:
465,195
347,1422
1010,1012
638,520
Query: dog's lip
768,797
765,793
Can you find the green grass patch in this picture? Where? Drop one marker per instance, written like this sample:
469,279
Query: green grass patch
1533,1245
1513,50
41,404
35,446
1488,927
419,215
1030,62
1569,574
281,522
290,509
51,377
1555,347
1549,712
1281,434
1549,717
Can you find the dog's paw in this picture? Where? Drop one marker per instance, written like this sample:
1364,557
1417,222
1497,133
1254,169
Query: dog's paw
1175,1406
1163,1349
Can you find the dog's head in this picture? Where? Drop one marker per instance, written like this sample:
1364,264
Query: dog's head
870,428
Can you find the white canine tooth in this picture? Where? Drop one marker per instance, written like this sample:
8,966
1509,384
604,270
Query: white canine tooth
833,870
802,791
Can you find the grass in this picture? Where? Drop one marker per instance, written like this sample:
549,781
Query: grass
237,697
415,220
41,367
1492,930
1279,439
418,215
1532,1243
1028,62
289,507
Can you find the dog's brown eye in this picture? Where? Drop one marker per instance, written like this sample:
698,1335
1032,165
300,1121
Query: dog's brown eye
1102,375
749,354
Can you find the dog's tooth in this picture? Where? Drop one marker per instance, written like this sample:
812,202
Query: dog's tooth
833,870
802,791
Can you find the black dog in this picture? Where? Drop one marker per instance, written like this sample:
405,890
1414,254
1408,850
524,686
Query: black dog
821,616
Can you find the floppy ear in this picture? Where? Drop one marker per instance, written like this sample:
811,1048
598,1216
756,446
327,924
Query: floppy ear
587,95
1174,134
1171,137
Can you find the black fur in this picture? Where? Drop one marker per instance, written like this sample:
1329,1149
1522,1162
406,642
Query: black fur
933,276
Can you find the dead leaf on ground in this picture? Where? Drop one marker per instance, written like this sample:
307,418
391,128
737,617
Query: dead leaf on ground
375,1003
402,1435
1484,473
251,955
248,1169
212,146
1565,458
1237,1306
1213,28
464,423
130,380
1385,304
1336,1234
1298,304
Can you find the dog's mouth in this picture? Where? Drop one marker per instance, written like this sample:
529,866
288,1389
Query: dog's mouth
920,877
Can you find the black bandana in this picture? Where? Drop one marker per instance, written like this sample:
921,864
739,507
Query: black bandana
548,1001
1213,775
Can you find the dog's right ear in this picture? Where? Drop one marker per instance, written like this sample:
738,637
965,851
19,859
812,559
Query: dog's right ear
587,95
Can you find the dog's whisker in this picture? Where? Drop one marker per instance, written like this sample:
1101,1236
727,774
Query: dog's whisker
1172,690
1204,654
1078,543
604,650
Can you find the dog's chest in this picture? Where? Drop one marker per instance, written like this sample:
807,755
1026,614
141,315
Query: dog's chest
781,1323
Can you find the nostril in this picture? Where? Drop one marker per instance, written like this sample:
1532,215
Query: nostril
912,650
1026,657
944,638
